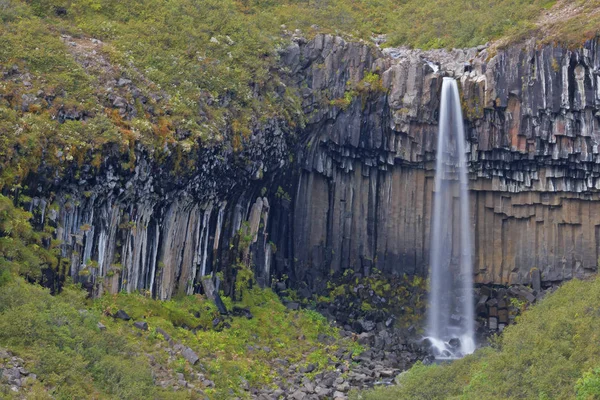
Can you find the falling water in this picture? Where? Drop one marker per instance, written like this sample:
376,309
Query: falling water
451,311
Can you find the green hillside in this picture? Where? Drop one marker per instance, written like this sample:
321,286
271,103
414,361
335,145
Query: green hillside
60,340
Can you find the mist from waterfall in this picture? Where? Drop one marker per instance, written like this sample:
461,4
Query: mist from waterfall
451,311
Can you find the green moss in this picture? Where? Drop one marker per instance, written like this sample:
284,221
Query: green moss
21,249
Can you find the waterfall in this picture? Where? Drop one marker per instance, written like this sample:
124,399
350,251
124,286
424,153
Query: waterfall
451,311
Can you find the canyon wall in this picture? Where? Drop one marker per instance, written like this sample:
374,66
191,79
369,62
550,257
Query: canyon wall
353,188
364,196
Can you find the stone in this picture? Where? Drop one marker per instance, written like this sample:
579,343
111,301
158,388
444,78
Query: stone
190,355
298,395
208,383
242,312
211,291
122,315
123,82
142,325
387,373
492,303
337,395
493,323
163,333
292,306
101,326
503,316
120,102
342,387
322,392
309,387
367,325
12,375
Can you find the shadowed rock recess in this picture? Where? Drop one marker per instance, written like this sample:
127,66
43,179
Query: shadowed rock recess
353,188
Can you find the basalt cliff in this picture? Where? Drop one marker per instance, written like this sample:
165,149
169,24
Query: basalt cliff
352,188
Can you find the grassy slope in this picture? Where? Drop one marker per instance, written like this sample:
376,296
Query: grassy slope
210,61
551,353
60,342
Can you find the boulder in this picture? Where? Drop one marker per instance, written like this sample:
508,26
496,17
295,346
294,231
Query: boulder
190,355
122,315
142,325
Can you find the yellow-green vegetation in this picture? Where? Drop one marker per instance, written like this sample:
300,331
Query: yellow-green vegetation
203,71
22,250
551,353
60,341
370,84
570,23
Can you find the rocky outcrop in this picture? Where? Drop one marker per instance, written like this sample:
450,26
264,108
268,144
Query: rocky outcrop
152,229
365,190
353,188
15,379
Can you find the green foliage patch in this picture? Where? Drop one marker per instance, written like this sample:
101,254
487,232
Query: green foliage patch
22,250
59,338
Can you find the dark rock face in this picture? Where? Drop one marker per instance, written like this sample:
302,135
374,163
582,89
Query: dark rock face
364,196
353,189
498,306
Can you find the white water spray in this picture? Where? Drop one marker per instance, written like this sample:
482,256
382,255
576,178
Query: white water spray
451,312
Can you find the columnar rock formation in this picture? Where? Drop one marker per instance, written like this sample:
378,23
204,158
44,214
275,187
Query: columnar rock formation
365,191
355,191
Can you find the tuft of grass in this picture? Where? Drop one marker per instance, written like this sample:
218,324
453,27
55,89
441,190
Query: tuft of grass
550,353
